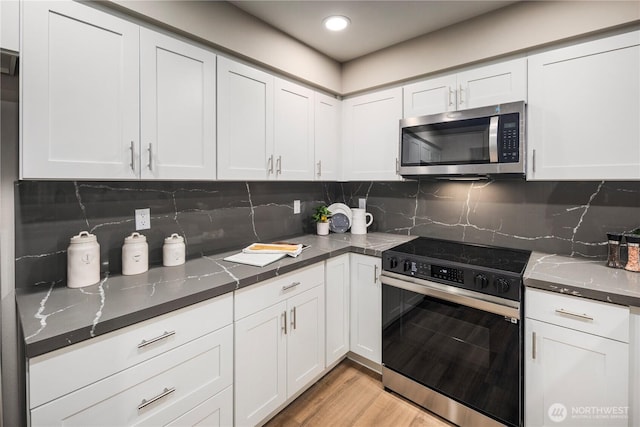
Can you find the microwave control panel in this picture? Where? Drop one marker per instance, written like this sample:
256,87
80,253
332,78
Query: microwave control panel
509,134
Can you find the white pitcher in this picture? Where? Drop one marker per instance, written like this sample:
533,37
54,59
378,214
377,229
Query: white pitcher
359,222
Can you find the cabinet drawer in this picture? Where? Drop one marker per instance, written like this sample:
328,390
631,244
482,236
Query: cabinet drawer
593,317
154,392
216,411
254,298
97,358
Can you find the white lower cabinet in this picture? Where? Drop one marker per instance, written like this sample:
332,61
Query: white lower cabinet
366,307
337,308
279,339
189,381
576,362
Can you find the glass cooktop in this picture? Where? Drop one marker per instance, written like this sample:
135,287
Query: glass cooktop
505,259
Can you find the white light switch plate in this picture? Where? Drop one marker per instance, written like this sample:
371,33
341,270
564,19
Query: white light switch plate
143,219
362,203
296,206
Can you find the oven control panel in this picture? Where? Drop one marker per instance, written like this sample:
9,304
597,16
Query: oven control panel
468,277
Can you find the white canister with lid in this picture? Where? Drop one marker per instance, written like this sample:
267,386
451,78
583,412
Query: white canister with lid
83,260
173,251
135,254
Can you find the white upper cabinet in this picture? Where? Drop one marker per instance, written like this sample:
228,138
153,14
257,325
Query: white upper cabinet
245,122
476,87
327,137
80,106
10,25
293,131
370,135
106,99
584,109
178,109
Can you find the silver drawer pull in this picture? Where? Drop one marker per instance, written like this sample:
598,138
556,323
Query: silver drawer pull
533,345
578,315
166,392
293,285
165,335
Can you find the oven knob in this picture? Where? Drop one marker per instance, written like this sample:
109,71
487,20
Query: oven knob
407,265
502,285
481,281
393,263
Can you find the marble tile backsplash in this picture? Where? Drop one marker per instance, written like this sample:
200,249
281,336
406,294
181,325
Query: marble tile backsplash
567,218
212,216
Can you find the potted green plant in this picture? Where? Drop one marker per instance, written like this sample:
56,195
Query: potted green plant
321,215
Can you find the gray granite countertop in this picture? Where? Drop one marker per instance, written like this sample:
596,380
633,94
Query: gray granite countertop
53,316
583,277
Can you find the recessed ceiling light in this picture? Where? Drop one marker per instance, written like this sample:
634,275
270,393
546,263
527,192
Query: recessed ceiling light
336,23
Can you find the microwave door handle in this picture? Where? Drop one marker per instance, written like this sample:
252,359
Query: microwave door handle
493,139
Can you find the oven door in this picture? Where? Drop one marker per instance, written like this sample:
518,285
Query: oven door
453,346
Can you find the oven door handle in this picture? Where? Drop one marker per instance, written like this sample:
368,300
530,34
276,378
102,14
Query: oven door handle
454,295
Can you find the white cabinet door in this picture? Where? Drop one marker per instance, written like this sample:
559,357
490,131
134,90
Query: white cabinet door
80,72
573,378
634,369
10,25
327,138
432,96
261,364
305,338
245,122
584,104
366,307
493,84
371,132
293,130
337,308
177,101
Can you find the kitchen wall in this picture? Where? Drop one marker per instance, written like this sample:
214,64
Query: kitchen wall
570,218
213,217
519,27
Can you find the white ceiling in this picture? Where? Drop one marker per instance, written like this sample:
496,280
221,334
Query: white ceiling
374,24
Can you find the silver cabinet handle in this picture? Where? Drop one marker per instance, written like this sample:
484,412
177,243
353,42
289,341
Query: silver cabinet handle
461,101
270,163
397,166
319,167
150,157
533,346
451,101
132,149
293,318
279,166
375,274
533,160
292,285
166,392
582,316
164,336
284,323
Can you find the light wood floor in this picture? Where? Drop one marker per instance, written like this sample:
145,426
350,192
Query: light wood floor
351,395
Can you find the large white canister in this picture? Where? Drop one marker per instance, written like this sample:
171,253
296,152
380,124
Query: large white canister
135,254
83,260
173,251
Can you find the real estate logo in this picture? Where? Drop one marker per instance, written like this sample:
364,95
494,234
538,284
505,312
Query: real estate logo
557,412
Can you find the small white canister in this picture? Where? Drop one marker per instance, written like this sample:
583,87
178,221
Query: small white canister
173,251
83,260
135,254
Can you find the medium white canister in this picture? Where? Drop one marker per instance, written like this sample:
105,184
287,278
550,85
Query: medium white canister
135,254
173,251
83,260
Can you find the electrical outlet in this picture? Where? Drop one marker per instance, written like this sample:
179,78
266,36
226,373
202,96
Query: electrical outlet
296,206
143,219
362,203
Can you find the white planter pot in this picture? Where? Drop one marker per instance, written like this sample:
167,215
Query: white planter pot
322,228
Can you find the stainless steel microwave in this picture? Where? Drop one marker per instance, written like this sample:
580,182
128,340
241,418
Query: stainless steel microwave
479,142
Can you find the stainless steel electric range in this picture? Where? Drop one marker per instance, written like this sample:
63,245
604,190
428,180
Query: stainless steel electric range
452,329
